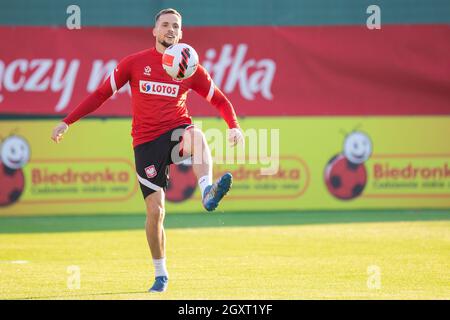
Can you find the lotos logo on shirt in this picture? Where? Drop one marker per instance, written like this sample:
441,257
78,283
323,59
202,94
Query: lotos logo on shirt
158,88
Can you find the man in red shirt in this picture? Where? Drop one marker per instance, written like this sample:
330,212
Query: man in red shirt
162,129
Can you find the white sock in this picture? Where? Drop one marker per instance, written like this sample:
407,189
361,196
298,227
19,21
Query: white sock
160,267
203,182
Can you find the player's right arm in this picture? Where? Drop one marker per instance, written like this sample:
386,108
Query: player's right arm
118,78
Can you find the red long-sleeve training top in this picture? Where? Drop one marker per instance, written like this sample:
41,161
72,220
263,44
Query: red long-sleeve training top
158,101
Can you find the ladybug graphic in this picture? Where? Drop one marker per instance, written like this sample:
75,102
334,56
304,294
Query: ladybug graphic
12,183
14,154
182,183
345,174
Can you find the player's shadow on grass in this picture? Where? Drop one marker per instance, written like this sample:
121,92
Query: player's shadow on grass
48,224
87,295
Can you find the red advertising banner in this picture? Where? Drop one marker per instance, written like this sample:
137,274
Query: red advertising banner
265,71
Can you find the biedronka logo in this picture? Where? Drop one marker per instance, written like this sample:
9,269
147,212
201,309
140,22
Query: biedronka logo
43,181
413,176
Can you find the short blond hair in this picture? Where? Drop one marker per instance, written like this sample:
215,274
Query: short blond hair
166,11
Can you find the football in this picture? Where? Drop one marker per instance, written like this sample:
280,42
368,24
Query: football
180,61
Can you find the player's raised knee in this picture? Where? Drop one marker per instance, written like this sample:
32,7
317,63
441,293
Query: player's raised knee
194,139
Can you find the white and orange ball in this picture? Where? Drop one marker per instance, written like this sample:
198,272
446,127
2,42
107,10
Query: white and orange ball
180,61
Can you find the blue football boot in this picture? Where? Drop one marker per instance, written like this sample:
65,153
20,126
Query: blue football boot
160,284
215,192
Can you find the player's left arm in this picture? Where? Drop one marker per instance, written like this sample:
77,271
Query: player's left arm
204,86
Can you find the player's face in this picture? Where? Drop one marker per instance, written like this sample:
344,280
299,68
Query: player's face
168,29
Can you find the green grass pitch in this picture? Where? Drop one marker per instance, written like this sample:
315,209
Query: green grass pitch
283,255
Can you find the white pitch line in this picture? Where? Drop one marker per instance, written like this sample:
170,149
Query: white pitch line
15,261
